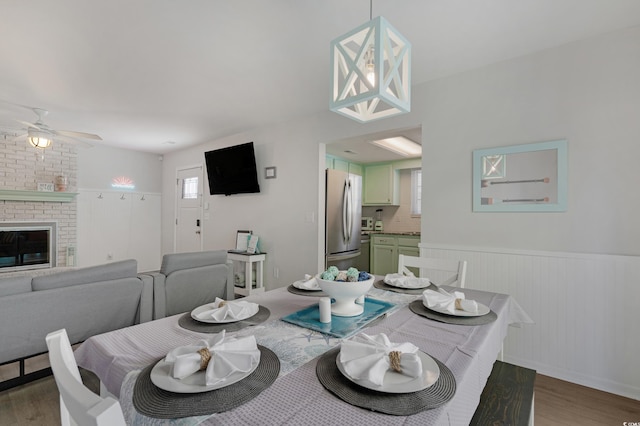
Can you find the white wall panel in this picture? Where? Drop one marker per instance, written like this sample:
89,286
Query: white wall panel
117,226
585,308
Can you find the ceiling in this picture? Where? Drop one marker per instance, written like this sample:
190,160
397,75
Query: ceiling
162,75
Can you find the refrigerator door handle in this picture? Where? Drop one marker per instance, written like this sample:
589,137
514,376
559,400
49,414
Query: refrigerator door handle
349,212
345,198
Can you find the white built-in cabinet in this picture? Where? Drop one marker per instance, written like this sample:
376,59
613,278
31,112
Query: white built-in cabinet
115,226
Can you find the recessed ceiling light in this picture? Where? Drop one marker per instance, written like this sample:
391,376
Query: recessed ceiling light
400,145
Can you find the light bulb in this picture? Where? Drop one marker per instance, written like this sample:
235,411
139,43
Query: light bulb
39,142
371,74
370,68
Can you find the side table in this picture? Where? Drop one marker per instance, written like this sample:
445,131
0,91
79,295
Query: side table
249,259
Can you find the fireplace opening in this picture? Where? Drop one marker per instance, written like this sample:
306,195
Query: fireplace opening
26,247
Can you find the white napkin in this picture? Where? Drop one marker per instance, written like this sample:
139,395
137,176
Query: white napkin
450,302
230,310
367,357
308,283
399,280
228,355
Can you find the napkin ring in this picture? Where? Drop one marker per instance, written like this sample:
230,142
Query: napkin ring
222,303
205,357
459,304
394,361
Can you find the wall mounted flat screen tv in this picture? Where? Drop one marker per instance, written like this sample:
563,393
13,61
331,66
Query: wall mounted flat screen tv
232,170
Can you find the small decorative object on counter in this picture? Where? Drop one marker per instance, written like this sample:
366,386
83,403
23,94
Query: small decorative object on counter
326,275
61,183
352,274
342,276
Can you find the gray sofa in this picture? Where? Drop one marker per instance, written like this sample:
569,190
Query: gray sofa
84,301
188,280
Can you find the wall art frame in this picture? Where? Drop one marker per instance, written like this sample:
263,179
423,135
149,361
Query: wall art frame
521,178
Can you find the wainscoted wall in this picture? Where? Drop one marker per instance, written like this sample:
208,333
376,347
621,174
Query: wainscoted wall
22,167
119,225
585,307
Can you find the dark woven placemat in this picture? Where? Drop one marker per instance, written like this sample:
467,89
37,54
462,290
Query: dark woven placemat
185,321
397,404
417,307
384,286
301,292
158,403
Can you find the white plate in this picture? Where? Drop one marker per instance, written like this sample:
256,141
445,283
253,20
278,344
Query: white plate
209,306
298,284
399,383
195,383
425,284
482,310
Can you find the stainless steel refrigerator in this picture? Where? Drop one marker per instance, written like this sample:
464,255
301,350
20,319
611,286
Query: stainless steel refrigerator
343,218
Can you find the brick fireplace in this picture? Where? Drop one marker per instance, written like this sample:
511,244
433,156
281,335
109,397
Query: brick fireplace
23,167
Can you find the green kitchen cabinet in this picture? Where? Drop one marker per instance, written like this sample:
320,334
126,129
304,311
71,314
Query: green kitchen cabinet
381,185
384,259
336,163
339,164
355,169
409,247
384,254
385,249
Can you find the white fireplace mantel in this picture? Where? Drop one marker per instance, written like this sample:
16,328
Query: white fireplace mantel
19,195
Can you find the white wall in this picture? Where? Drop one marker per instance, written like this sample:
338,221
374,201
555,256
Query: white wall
115,223
586,92
277,214
98,166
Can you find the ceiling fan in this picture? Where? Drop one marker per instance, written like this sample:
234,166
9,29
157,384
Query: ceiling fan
39,135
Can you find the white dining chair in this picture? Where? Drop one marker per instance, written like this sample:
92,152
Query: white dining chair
439,271
78,404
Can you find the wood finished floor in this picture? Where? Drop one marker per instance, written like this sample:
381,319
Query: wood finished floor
556,403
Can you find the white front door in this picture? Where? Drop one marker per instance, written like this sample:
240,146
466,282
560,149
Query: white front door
189,210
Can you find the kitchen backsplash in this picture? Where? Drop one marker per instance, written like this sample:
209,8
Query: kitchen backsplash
397,218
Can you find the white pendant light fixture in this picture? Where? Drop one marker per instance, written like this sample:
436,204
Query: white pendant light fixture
371,72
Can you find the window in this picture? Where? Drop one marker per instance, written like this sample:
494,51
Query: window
416,192
190,188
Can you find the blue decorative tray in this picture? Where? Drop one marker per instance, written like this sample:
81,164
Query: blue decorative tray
340,327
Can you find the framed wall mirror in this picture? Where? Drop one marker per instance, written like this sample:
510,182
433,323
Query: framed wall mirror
521,178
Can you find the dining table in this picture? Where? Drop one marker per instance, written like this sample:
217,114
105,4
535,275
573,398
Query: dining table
296,395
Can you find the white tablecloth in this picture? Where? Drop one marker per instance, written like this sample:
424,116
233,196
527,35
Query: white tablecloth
297,397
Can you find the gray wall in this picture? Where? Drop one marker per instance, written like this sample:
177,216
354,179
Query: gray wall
586,92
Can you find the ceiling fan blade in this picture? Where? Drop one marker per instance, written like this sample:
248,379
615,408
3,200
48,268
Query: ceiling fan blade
26,123
73,140
19,137
73,134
